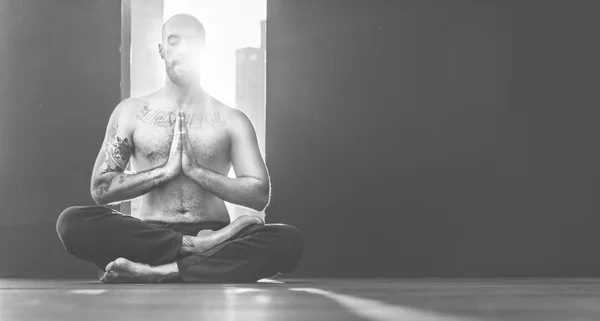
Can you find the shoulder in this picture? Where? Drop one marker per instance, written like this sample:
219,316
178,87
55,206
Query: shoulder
232,116
133,105
236,121
128,108
123,115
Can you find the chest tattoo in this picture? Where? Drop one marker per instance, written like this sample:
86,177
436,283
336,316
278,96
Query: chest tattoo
166,118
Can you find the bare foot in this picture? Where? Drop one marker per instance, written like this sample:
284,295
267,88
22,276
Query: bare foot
205,233
122,270
246,220
207,239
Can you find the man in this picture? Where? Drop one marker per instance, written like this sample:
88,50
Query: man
181,142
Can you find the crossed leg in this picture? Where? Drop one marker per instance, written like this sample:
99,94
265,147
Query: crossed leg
130,250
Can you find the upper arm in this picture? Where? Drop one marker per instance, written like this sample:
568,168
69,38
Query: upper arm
246,158
117,146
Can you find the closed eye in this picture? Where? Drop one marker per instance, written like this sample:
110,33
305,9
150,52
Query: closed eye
173,40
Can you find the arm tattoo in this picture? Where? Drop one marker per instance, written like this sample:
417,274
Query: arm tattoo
121,179
117,150
103,186
187,241
117,155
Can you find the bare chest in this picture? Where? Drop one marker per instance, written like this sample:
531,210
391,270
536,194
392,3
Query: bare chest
154,129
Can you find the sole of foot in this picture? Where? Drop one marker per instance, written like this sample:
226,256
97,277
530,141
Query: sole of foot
207,239
122,270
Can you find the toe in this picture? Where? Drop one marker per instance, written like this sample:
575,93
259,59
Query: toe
111,276
106,278
109,267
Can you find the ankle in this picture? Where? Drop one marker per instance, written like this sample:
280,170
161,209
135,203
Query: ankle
167,273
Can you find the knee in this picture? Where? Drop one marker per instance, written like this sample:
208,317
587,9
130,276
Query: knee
69,223
289,238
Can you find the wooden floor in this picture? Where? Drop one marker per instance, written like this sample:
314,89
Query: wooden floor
304,299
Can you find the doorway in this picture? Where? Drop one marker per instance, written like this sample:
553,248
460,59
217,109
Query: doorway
235,61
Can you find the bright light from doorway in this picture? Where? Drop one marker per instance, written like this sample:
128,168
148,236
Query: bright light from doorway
235,38
229,25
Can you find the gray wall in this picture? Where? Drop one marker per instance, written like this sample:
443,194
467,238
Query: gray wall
403,139
59,81
411,138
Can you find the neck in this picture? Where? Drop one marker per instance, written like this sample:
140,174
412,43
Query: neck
185,95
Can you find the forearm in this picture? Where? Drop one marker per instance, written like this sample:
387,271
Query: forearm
244,191
114,187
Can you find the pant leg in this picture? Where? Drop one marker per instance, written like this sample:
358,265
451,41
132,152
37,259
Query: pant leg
100,234
257,252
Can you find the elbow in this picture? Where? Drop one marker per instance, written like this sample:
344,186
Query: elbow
260,205
262,199
99,200
98,195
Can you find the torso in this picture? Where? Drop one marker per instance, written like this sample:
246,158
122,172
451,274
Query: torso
181,199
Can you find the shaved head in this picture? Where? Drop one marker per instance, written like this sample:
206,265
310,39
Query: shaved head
185,21
183,41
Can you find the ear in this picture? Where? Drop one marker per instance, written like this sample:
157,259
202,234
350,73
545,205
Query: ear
161,51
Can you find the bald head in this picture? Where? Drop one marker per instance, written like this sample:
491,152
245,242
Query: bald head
183,22
182,45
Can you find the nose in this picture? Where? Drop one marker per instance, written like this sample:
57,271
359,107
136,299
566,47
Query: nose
181,50
187,54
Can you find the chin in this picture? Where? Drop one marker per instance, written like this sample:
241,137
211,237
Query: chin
182,80
179,81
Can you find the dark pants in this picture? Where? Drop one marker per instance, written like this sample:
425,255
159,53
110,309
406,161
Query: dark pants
100,235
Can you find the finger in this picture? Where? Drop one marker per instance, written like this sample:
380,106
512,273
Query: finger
186,141
182,129
176,134
180,116
177,127
179,130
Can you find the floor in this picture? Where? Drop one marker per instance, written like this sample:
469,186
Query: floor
305,299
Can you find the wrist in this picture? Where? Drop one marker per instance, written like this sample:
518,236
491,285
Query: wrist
161,175
192,171
197,175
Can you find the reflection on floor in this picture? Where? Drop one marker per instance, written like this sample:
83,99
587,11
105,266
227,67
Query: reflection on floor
305,299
